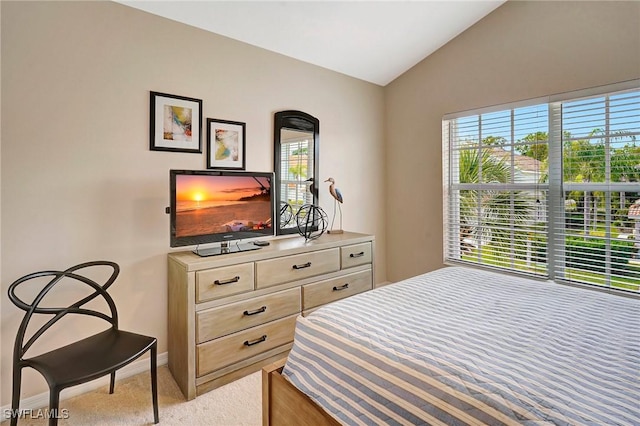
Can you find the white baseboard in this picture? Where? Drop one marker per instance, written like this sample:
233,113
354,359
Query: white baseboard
42,400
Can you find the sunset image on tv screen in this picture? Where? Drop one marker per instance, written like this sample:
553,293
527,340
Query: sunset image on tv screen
218,204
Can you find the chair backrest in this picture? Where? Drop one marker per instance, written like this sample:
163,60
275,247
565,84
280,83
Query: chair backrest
20,347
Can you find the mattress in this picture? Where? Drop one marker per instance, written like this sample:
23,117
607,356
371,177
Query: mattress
459,346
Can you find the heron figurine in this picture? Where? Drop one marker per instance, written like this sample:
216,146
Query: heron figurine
311,187
337,197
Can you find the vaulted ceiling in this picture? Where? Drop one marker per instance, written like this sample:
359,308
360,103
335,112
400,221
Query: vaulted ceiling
375,41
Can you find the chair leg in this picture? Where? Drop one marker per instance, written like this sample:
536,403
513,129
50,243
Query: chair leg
54,406
154,382
112,383
15,395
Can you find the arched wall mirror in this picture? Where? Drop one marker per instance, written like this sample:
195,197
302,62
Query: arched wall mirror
296,147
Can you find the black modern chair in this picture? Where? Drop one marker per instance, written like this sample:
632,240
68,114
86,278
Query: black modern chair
86,359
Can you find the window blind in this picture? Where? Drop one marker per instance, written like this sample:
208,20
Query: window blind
598,238
496,191
295,161
548,189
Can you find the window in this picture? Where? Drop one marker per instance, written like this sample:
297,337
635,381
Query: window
547,189
295,159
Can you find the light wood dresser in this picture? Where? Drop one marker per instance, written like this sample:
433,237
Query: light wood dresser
232,314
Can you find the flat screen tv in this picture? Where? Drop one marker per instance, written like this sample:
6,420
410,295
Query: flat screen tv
224,207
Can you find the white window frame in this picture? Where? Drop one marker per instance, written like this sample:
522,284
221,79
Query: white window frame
556,187
300,193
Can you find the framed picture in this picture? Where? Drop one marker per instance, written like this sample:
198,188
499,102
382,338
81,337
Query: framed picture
176,123
225,144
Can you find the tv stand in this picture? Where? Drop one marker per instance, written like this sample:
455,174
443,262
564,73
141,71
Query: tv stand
228,316
226,248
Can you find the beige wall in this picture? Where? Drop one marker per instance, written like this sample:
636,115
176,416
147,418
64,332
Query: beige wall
78,180
522,50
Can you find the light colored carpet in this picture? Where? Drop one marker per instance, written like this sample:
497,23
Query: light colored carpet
236,404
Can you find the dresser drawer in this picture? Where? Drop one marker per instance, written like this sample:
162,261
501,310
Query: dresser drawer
336,288
225,281
291,268
354,255
223,320
227,350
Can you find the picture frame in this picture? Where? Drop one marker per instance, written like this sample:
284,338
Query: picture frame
175,123
226,144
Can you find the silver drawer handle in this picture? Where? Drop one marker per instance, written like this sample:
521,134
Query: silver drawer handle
357,254
342,287
257,311
229,281
304,265
255,342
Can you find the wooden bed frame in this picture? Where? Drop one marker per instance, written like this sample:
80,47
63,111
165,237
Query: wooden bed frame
283,404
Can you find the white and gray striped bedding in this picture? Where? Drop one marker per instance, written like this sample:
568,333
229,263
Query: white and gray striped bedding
459,346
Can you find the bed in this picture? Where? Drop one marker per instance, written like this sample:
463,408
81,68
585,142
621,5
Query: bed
459,346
